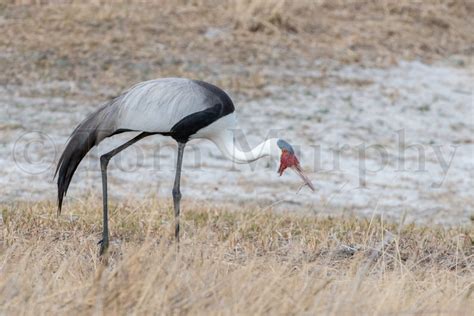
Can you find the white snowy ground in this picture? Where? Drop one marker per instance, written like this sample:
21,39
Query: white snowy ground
397,142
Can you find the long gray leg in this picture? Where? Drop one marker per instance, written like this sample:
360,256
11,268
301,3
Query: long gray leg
104,161
176,190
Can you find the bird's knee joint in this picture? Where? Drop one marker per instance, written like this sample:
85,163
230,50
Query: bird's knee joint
104,160
176,194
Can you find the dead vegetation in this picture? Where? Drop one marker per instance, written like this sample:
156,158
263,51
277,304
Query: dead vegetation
246,262
102,47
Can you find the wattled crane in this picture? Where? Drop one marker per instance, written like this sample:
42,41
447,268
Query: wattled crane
180,108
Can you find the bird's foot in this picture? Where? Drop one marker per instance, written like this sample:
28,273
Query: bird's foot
104,245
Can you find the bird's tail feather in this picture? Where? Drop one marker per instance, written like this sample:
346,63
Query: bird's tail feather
86,135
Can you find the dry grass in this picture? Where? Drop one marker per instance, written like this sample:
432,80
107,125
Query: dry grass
241,45
247,262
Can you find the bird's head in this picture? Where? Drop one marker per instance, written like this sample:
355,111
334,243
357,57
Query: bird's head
288,160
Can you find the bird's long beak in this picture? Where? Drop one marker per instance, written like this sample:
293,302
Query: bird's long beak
299,171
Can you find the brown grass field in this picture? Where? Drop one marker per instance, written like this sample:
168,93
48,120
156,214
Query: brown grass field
104,46
245,262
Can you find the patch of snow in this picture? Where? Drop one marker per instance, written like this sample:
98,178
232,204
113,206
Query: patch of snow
399,145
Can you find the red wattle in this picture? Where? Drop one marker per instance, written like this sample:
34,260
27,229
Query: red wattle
287,160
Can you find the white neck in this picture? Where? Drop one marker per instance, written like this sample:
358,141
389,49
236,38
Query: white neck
225,142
